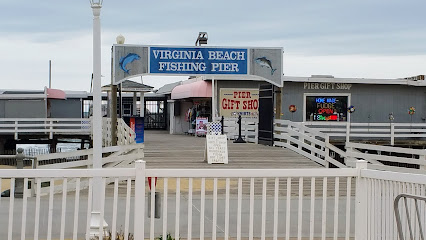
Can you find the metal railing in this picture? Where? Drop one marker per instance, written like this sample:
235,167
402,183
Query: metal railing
415,231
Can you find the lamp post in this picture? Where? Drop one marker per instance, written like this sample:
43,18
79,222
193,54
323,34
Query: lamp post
113,110
97,224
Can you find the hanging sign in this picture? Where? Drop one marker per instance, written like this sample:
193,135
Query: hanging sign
260,63
217,149
236,102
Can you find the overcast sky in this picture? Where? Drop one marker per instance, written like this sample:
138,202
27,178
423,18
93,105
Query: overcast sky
368,39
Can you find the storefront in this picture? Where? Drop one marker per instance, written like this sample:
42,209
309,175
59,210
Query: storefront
327,99
192,101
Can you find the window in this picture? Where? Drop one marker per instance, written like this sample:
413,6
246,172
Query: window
326,108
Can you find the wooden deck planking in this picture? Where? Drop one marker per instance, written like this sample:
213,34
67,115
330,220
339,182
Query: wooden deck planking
163,150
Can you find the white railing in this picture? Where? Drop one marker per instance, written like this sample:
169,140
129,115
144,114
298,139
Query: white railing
378,190
384,131
213,203
125,135
67,215
49,126
249,129
308,142
84,158
374,154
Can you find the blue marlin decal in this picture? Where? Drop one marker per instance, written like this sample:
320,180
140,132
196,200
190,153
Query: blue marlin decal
264,62
128,59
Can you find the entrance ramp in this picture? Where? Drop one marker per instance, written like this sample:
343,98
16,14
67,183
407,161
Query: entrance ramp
163,150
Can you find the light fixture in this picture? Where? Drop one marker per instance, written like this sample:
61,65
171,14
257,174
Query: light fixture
202,38
120,39
96,3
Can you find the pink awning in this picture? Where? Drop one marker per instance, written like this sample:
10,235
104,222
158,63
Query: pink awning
198,89
55,93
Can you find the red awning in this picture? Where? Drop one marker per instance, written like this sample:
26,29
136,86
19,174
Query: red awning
55,93
198,89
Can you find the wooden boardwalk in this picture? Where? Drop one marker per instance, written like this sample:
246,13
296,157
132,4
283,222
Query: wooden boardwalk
163,150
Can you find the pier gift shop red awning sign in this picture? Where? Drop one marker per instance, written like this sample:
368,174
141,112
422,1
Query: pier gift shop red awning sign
235,102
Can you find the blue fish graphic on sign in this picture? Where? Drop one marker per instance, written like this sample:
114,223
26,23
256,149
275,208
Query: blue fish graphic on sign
264,62
128,59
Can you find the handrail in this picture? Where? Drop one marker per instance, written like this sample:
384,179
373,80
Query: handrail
418,214
311,143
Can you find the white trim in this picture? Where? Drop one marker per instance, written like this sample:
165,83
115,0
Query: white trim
325,94
41,96
356,80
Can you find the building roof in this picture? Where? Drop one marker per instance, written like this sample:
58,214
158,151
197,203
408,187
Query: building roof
130,86
331,79
168,88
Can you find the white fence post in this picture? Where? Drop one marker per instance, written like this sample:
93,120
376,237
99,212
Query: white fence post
139,199
327,151
51,130
392,133
16,130
361,212
423,157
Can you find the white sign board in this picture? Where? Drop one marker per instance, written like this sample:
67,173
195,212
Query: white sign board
217,149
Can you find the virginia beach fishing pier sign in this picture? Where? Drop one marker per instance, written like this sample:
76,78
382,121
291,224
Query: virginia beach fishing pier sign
134,60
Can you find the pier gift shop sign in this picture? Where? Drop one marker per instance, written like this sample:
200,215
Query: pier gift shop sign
235,102
260,63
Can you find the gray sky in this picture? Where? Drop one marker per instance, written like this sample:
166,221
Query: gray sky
369,39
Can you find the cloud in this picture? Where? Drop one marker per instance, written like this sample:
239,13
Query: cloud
351,38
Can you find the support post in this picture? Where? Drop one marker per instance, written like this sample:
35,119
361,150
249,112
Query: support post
361,212
96,221
213,101
139,199
19,182
113,109
134,112
392,133
278,103
142,101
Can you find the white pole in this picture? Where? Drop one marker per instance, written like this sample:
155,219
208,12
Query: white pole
97,119
213,101
50,73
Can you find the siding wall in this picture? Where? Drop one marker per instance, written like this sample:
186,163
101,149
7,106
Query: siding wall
23,109
69,108
373,100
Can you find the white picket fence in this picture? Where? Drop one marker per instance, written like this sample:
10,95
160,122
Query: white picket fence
125,135
213,203
249,129
315,145
306,141
374,154
372,131
49,126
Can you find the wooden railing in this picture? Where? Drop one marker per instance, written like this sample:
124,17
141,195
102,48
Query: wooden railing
125,135
308,142
376,155
371,131
249,129
116,156
49,126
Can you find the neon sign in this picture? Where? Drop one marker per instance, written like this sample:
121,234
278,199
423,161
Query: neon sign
324,108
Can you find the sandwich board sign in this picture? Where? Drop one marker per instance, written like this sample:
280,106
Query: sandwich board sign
216,149
138,60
